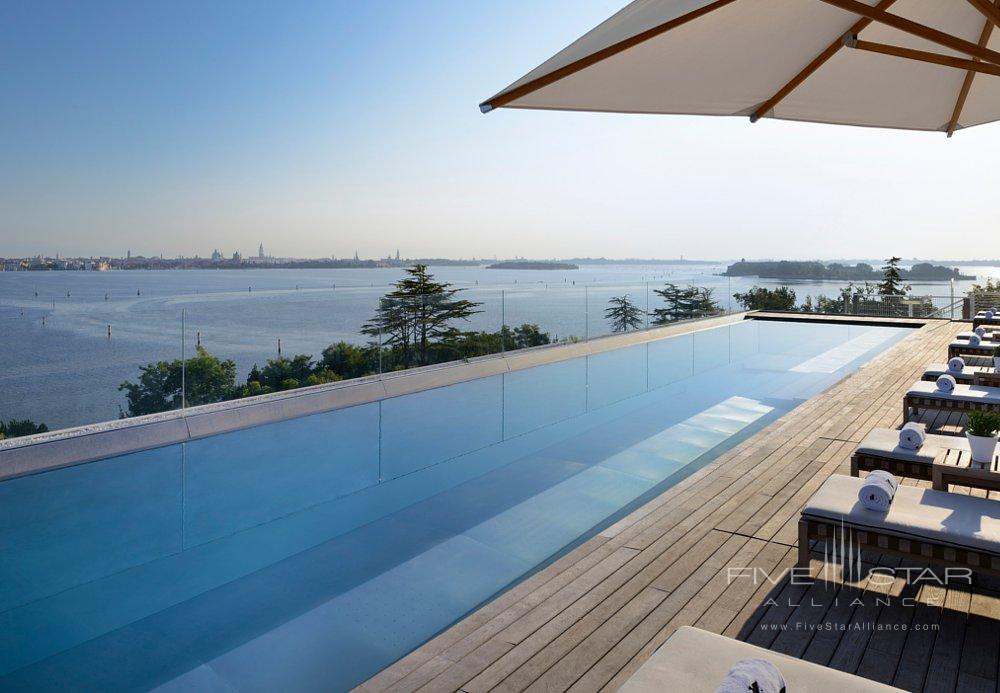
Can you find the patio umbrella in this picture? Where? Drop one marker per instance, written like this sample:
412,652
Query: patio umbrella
911,64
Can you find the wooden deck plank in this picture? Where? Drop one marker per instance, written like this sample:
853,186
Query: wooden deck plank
590,619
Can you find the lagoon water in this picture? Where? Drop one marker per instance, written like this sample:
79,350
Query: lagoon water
58,365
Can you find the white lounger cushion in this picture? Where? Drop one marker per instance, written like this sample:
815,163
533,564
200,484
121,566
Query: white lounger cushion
936,369
965,336
919,513
884,442
695,661
964,393
964,344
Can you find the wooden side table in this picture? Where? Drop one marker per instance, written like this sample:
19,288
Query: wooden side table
956,467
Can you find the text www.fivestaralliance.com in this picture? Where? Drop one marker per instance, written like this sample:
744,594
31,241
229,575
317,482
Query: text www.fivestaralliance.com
849,626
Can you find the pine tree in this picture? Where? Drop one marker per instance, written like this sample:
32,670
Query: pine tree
701,303
418,312
891,284
673,310
623,314
684,304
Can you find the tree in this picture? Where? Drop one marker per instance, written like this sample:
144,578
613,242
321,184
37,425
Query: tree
673,309
684,304
417,313
761,298
623,315
285,373
891,284
529,335
206,379
350,360
468,345
701,302
16,428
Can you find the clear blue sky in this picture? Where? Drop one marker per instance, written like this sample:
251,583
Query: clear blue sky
322,128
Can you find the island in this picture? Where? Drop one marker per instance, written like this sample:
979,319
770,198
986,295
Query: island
862,271
533,265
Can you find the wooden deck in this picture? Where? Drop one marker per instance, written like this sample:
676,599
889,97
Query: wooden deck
590,619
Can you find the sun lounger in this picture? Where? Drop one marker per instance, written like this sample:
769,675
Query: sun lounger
949,529
936,370
981,319
964,398
880,450
962,347
965,336
696,661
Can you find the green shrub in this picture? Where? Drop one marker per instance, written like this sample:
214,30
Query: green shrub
24,427
983,423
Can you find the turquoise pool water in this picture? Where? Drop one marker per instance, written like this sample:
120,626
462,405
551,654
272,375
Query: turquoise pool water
310,554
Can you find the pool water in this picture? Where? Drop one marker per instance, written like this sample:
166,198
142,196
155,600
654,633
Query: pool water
310,554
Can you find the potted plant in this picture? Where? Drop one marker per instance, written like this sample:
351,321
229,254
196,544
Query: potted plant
996,359
981,431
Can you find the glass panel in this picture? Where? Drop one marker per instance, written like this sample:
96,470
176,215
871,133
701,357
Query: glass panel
615,375
74,525
711,349
540,396
248,477
616,308
70,340
557,311
426,428
670,360
744,339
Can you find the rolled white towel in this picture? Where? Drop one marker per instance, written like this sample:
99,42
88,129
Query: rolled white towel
877,490
747,672
975,340
956,364
946,383
912,436
981,331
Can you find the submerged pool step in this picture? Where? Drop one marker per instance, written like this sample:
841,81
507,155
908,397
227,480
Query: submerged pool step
661,455
842,355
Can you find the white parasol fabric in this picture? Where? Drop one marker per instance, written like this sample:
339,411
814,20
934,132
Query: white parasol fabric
912,64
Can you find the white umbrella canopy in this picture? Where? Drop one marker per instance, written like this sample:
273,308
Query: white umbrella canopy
912,64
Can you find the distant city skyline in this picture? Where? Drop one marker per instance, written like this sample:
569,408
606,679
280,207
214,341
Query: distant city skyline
321,129
218,254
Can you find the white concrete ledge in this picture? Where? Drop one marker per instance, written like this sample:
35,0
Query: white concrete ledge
67,447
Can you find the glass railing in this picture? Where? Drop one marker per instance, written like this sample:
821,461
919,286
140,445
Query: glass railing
95,356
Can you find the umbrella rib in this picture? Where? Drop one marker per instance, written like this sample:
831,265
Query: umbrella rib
921,30
963,94
926,57
988,10
504,98
809,69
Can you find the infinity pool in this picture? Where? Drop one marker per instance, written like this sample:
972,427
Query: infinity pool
310,554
